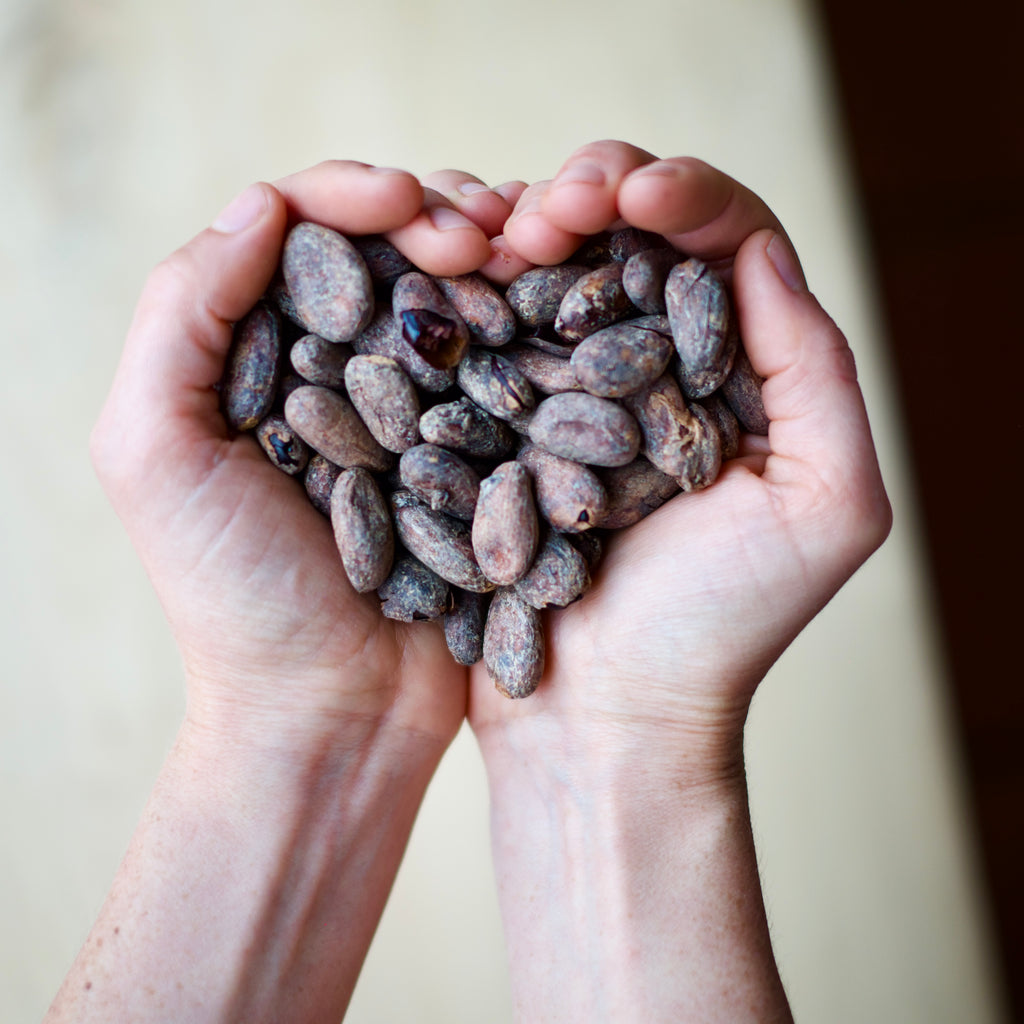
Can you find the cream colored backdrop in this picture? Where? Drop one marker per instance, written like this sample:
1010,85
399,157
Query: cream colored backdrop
124,127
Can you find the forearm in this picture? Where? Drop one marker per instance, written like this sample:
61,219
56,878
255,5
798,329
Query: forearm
629,897
253,885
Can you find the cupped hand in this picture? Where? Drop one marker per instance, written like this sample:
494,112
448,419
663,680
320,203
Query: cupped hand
276,643
658,662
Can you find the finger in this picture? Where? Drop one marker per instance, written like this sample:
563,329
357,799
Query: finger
531,234
822,460
440,240
701,211
487,209
583,198
164,389
510,191
351,197
505,264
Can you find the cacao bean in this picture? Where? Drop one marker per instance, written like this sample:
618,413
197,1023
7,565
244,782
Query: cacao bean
513,644
330,425
362,529
253,368
582,427
328,282
505,529
386,400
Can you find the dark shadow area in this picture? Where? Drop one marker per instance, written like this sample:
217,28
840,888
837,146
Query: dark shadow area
933,98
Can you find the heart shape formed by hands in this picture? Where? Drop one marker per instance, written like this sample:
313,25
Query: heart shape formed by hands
470,445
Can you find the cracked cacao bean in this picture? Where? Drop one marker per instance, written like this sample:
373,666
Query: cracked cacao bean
413,592
282,445
440,479
383,337
428,322
487,315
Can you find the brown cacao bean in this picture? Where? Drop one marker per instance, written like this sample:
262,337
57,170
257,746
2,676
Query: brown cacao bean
330,425
558,576
536,295
620,360
582,427
253,368
467,429
742,392
495,385
634,492
487,315
413,592
386,400
552,374
428,322
645,275
320,361
362,529
319,480
513,644
441,543
699,312
595,300
505,529
464,626
328,281
282,445
441,479
569,495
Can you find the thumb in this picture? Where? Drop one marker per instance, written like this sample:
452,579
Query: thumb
179,337
822,462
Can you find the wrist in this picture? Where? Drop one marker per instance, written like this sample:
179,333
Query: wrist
255,879
642,887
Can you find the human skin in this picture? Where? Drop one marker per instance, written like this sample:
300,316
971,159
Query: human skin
253,884
622,843
623,851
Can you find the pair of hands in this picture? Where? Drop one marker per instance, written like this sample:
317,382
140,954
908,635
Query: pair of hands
689,608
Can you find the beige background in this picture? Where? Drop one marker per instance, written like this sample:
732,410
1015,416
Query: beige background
123,129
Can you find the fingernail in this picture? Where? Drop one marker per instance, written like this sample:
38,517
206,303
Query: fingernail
242,212
658,169
444,218
470,188
786,264
584,172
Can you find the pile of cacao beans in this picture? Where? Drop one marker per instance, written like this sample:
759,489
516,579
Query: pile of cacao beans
471,444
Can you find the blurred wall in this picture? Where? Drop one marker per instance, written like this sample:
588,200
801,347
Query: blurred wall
125,127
